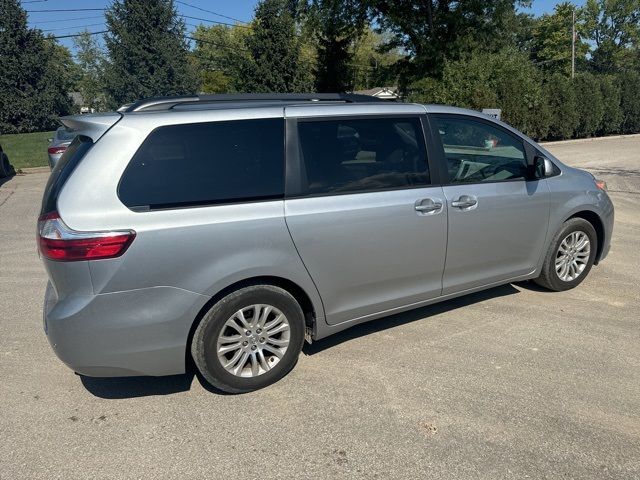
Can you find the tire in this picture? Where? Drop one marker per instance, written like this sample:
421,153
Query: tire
263,367
6,170
550,277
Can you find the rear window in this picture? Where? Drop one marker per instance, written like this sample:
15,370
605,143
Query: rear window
64,134
63,169
206,163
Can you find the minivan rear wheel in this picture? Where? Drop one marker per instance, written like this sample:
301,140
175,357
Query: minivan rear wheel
570,256
249,339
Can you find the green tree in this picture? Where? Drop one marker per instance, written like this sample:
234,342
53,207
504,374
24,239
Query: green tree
505,80
219,55
274,63
630,101
551,44
373,64
34,84
432,31
561,98
614,27
337,25
612,110
90,61
147,51
589,104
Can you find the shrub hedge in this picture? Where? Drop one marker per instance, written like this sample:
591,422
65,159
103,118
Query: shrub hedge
551,107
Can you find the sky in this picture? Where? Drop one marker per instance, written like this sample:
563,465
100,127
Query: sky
71,22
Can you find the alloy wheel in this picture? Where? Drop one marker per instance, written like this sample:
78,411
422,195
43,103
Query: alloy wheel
572,256
253,340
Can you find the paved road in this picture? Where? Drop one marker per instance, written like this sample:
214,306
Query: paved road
514,382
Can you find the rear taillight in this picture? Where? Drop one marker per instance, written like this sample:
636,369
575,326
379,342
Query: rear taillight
59,242
56,150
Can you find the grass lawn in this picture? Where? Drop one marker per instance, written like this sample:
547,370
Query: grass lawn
26,149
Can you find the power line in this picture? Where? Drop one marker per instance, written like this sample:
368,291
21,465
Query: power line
213,21
77,34
67,10
220,45
209,11
70,19
103,9
73,26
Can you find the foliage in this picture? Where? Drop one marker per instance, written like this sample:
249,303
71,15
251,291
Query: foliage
373,65
147,52
589,104
505,80
34,81
551,46
561,98
274,63
614,27
433,31
337,24
219,55
90,61
611,105
630,101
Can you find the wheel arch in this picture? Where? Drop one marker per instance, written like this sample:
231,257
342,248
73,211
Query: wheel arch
594,219
301,296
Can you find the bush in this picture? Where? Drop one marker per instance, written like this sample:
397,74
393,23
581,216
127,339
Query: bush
630,101
561,98
505,80
555,107
612,111
589,105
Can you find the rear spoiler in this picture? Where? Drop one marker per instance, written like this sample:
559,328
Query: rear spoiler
92,125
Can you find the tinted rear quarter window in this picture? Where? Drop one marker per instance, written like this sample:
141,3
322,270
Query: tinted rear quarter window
206,163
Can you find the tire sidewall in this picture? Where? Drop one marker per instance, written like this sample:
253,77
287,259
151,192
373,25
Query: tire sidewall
204,345
572,225
5,169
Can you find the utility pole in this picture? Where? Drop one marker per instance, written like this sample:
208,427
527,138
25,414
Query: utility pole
573,43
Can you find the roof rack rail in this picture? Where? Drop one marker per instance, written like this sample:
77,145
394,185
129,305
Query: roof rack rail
167,103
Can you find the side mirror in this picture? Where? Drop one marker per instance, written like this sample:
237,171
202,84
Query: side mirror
542,167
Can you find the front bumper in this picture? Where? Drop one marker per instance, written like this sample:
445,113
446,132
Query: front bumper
130,333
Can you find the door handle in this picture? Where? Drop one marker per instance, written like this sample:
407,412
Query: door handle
465,201
428,205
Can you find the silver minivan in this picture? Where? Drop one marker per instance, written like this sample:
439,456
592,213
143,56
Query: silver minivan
227,230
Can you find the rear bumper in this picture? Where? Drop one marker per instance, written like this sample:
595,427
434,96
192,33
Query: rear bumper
136,332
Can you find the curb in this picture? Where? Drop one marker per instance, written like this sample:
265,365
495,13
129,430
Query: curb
28,170
592,139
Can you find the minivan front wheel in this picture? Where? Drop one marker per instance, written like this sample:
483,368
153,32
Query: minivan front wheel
570,256
249,339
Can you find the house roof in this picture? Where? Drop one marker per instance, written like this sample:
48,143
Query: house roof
383,92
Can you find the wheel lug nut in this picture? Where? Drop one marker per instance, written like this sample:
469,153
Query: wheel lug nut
253,347
247,333
245,343
261,339
259,330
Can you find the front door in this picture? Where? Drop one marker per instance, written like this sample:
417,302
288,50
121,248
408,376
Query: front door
367,223
498,219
